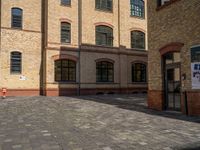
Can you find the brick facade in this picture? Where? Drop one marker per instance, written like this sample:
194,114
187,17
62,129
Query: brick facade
173,27
40,45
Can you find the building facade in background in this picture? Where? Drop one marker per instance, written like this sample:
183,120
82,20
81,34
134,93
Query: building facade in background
71,47
174,55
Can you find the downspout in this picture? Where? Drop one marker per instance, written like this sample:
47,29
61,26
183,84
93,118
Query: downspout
119,43
79,43
0,25
186,103
44,29
119,23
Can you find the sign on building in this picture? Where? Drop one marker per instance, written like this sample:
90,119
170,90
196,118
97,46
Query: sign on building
195,67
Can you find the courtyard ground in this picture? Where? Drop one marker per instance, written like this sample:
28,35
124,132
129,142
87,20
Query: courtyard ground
101,122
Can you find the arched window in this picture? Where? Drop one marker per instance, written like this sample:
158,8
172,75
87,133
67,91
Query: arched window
104,5
139,72
65,70
65,32
104,71
15,62
137,8
65,2
104,35
138,39
16,18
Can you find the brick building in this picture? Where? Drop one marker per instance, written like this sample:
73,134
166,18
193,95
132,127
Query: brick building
174,55
70,47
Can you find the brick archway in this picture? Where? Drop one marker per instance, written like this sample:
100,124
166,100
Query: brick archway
104,24
105,59
171,47
65,56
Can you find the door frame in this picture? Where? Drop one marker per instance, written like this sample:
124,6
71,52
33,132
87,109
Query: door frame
165,69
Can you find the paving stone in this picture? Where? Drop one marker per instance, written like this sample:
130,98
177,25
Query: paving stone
167,148
47,134
17,146
107,148
8,140
106,122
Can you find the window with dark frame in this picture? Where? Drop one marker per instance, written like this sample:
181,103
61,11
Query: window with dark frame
16,18
162,2
137,8
195,54
106,5
65,70
65,2
139,72
104,35
137,39
104,71
15,63
65,32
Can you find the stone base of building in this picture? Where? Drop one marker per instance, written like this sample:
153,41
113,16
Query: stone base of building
190,103
156,99
73,91
93,91
193,101
22,92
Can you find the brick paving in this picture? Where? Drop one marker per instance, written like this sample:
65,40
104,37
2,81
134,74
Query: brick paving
104,122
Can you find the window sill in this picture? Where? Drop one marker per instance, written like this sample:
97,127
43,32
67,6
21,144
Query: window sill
105,83
138,83
166,4
65,43
137,17
103,10
139,49
16,74
15,28
65,82
104,46
66,5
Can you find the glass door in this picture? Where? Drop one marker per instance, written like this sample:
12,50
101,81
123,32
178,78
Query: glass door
172,79
173,96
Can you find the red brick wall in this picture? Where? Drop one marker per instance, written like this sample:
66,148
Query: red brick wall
22,92
155,99
193,98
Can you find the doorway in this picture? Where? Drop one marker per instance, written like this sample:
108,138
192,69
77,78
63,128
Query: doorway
172,81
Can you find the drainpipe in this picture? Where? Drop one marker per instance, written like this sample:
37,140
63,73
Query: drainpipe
186,103
119,44
44,30
0,25
79,43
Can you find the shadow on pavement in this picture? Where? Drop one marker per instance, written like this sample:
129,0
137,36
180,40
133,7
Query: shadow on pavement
136,102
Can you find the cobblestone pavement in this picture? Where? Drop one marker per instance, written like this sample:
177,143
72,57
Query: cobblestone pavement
112,122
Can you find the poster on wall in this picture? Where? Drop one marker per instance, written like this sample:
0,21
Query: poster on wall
195,75
195,66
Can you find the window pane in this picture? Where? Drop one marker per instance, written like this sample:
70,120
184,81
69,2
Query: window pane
15,62
65,70
65,32
195,54
66,2
16,18
104,5
104,36
137,8
138,72
105,72
137,40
